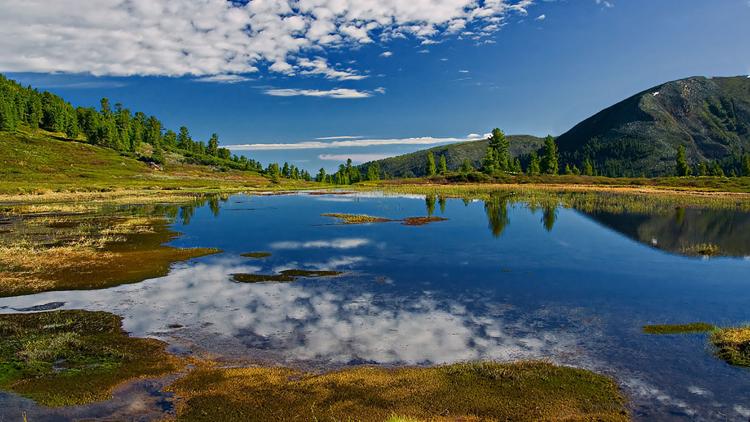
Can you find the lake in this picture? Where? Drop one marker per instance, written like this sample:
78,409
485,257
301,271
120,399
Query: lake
498,279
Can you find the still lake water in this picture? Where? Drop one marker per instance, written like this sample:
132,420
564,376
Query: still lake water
497,280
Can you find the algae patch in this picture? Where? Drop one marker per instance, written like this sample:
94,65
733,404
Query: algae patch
285,276
63,358
524,391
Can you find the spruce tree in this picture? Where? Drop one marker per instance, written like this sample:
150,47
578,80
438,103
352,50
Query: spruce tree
588,168
534,168
431,169
550,159
443,165
682,167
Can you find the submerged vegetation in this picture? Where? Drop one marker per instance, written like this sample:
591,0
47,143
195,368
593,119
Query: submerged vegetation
284,276
524,391
64,358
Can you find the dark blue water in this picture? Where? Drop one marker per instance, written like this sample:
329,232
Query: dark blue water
495,281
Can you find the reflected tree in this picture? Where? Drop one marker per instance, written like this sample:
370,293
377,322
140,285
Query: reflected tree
186,214
213,203
441,202
549,217
496,209
430,203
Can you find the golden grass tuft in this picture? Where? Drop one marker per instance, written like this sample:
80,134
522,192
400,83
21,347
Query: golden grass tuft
733,345
525,391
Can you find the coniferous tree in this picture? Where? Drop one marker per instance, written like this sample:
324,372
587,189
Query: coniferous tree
534,168
682,167
213,145
550,158
431,169
466,166
321,177
746,165
588,168
516,167
373,172
443,165
703,169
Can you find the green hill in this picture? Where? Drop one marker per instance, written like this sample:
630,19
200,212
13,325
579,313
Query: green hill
710,117
415,164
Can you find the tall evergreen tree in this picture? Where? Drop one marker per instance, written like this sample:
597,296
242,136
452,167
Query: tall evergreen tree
213,145
550,160
443,165
534,168
431,169
681,167
588,168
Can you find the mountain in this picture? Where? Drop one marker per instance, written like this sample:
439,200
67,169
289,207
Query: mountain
710,117
415,163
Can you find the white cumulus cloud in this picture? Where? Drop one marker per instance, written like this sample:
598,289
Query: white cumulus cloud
220,37
351,143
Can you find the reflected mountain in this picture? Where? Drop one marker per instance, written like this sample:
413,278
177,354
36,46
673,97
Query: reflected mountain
693,232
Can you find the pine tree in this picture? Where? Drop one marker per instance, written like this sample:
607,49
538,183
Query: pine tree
489,163
703,169
184,140
588,168
321,177
682,167
534,168
550,158
746,165
466,166
373,172
431,169
500,146
213,144
516,168
443,165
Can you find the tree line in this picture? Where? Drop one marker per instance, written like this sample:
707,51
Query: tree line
114,127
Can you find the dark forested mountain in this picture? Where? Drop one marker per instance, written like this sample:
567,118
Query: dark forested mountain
415,164
709,117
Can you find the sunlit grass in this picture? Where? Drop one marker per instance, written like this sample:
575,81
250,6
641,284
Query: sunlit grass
733,345
525,391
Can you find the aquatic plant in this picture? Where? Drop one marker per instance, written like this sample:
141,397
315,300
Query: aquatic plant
733,345
524,391
63,358
283,276
256,255
356,218
421,221
694,327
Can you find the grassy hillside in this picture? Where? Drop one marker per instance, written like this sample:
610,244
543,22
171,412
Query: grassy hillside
415,164
710,117
38,161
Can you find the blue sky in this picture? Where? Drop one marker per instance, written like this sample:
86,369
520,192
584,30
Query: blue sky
410,76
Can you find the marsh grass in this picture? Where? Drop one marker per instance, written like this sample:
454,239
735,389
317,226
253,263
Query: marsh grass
63,358
525,391
357,218
733,345
702,249
421,221
694,327
285,276
54,248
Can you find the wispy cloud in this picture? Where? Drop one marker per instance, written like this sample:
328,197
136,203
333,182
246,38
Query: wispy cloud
541,17
331,138
351,143
223,79
341,243
386,54
337,93
356,158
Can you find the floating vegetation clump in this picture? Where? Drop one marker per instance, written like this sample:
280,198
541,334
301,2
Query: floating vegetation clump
357,218
702,249
366,219
694,327
285,276
523,391
733,345
421,221
64,358
256,255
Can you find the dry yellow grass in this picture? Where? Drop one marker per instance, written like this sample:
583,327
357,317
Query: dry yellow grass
733,345
526,391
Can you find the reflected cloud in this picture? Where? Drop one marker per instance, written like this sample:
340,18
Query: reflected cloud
343,243
322,323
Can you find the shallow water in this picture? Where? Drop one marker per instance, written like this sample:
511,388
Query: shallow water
497,280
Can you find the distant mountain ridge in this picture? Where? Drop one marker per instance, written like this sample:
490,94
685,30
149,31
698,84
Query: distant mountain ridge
638,136
415,164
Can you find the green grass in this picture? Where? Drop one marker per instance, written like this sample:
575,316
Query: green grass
524,391
66,358
695,327
35,161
